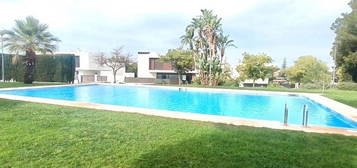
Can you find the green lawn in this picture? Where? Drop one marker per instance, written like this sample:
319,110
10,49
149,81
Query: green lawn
40,135
348,97
21,84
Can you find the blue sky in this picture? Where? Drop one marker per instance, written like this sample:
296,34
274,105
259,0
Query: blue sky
280,28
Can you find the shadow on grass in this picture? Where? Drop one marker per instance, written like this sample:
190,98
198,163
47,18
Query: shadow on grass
230,146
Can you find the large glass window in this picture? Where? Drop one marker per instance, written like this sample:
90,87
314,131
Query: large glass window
166,76
156,64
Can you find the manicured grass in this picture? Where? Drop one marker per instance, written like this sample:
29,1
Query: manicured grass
40,135
348,97
343,96
21,84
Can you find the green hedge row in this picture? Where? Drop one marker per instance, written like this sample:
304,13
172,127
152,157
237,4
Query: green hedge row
49,68
347,86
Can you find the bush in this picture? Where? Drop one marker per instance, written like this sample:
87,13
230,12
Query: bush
314,86
231,82
347,86
311,86
196,80
275,85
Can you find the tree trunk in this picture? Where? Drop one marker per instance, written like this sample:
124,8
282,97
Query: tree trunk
115,76
253,83
179,78
29,66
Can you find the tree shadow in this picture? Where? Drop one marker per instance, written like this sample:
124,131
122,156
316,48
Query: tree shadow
230,146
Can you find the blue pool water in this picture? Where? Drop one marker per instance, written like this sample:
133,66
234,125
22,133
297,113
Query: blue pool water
250,106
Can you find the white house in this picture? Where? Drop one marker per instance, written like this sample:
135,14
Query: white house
152,70
88,71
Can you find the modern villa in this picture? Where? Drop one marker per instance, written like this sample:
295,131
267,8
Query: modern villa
88,71
152,70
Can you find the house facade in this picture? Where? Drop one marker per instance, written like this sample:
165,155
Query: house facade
88,71
152,70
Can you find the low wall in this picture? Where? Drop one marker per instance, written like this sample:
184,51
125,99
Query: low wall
150,80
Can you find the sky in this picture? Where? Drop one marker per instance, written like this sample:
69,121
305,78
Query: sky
280,28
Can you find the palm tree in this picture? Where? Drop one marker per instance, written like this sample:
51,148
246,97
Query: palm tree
29,36
203,36
210,27
187,39
223,44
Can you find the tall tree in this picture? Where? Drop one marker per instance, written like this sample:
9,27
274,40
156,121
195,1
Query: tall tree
308,69
255,67
283,66
29,36
181,61
117,60
203,37
345,45
223,43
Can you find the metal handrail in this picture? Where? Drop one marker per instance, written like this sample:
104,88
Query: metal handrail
286,114
305,115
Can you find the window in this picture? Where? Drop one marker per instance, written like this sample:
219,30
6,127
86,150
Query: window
77,61
156,64
167,76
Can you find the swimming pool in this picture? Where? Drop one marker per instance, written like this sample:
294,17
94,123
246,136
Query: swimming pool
242,105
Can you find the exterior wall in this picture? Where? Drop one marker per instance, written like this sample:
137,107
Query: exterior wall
120,76
143,65
150,67
150,80
88,67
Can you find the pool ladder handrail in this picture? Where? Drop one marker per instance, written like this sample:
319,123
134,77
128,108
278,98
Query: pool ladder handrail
286,114
304,117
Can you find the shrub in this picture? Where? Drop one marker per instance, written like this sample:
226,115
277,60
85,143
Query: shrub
311,86
231,82
314,86
196,80
347,86
275,85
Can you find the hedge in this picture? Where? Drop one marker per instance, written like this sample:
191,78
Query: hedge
49,68
347,86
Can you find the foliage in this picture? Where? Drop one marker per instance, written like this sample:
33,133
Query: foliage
181,61
49,68
117,60
231,82
308,69
314,86
29,36
132,67
347,86
255,67
205,38
345,45
282,72
275,85
225,77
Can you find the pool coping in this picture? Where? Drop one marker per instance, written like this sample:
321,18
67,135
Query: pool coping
203,117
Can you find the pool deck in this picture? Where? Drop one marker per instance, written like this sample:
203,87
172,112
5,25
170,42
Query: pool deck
343,109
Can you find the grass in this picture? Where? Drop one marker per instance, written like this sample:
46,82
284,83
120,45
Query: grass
21,84
39,135
348,97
